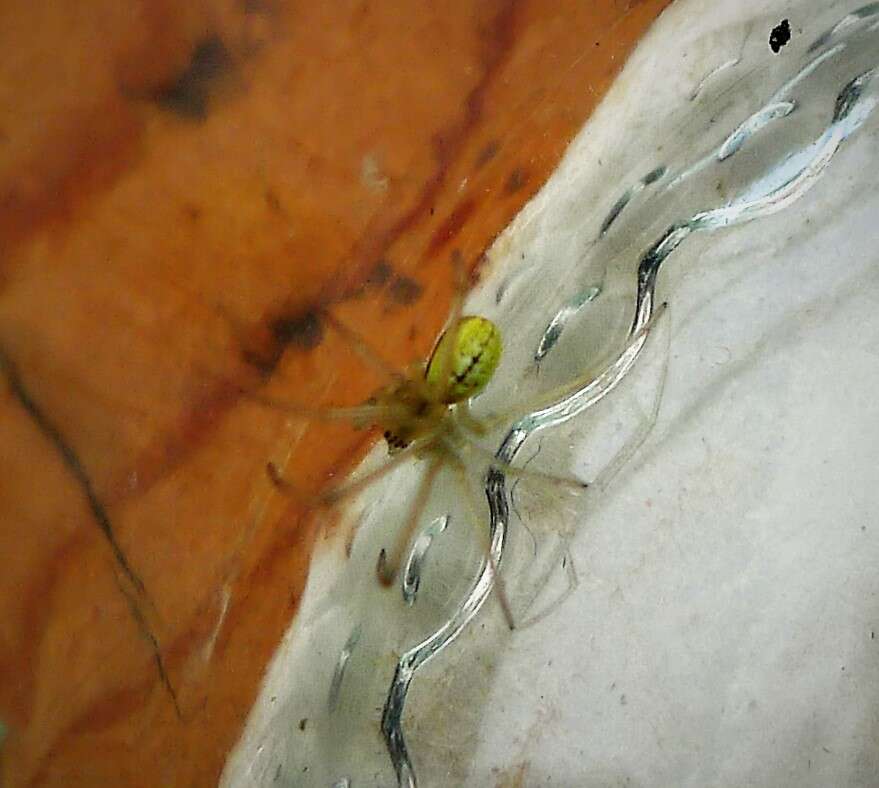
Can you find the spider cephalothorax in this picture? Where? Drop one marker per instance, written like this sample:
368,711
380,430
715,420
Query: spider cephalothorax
463,361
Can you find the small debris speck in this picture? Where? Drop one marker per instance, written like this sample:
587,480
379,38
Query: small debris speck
779,36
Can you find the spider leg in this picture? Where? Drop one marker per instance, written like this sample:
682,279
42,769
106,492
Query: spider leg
603,382
388,564
364,414
339,492
473,510
573,582
369,355
603,479
647,423
527,473
515,508
466,417
456,308
444,360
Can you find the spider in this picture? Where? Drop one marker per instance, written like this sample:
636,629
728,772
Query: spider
424,413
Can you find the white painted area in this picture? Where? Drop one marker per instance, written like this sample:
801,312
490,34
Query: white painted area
725,628
722,631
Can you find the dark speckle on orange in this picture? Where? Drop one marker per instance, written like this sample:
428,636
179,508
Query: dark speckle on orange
380,274
192,212
517,179
189,94
273,201
304,331
487,154
404,290
263,347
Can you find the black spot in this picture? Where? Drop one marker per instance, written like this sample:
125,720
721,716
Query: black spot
654,175
274,475
263,351
189,95
380,274
273,201
404,290
487,153
302,723
395,442
779,36
516,181
264,363
305,331
192,212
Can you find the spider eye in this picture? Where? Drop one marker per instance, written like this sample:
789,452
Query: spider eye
464,359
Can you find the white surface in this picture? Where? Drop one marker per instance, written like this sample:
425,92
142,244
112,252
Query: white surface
725,630
722,631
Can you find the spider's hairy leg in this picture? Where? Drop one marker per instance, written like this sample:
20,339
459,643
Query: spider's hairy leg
389,563
473,511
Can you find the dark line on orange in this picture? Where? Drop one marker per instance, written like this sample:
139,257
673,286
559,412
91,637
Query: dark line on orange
451,226
75,467
374,245
71,462
153,641
449,145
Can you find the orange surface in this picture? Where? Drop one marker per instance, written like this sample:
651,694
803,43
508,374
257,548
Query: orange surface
182,186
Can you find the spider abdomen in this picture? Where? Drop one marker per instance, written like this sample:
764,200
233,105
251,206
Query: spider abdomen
471,360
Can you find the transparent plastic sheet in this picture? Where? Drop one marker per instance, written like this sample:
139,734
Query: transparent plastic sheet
756,134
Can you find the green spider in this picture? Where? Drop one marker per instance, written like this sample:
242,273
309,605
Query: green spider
424,414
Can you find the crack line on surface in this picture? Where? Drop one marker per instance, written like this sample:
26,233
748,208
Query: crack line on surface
129,582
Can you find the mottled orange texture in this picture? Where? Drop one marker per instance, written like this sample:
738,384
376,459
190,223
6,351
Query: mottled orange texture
183,188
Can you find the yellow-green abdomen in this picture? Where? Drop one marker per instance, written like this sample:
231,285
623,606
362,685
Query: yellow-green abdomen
470,352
